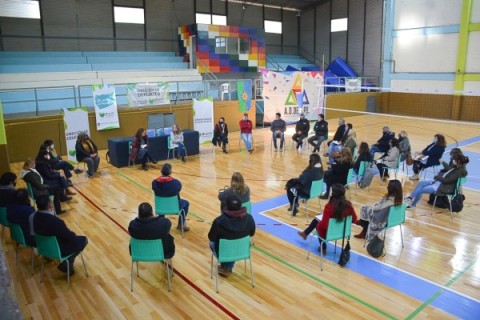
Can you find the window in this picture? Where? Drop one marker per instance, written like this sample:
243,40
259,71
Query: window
20,9
220,45
273,26
244,45
339,25
128,15
232,45
211,19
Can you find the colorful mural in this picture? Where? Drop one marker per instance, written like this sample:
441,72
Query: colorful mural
206,42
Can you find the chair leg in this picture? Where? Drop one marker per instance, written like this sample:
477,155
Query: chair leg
41,277
167,265
33,255
450,205
216,276
84,265
211,267
401,234
321,256
433,206
182,221
251,273
131,278
68,274
16,254
138,274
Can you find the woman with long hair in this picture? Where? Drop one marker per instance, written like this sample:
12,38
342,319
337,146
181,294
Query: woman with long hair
300,187
176,139
430,156
140,149
220,134
338,207
87,151
404,145
237,187
389,159
363,155
376,215
338,172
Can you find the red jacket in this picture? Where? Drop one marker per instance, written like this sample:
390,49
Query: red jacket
245,126
322,226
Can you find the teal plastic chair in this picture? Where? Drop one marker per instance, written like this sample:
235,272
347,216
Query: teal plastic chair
148,251
3,219
394,168
17,235
361,172
130,161
334,233
169,206
247,205
47,246
458,189
315,192
350,176
31,194
396,217
171,148
230,251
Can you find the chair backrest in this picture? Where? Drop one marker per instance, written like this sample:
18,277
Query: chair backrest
16,234
234,250
30,191
225,87
396,215
47,246
247,205
130,143
335,229
355,153
146,250
460,183
363,166
3,216
351,173
398,161
169,143
316,188
167,205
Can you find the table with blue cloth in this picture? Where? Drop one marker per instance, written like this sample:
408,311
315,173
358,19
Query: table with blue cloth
118,148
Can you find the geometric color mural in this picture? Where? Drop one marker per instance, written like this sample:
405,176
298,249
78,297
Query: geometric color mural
206,35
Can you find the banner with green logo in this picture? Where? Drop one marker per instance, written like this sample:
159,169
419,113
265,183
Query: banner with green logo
105,102
75,120
148,94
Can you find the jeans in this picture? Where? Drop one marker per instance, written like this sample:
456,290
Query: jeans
247,138
298,138
225,265
183,204
181,149
319,140
374,149
275,136
311,227
425,186
65,166
300,194
92,164
146,157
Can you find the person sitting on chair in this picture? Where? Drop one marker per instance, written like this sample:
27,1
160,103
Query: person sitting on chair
404,145
237,187
19,212
278,128
52,177
389,159
220,134
429,156
8,181
382,144
376,215
57,162
140,149
149,227
246,131
444,183
87,152
321,133
300,187
336,142
301,131
46,223
176,139
234,223
338,172
363,155
167,186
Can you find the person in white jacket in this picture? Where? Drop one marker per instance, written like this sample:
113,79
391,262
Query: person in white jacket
389,159
176,140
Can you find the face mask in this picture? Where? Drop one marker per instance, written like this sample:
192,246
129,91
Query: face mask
221,122
52,147
245,118
434,140
47,157
454,162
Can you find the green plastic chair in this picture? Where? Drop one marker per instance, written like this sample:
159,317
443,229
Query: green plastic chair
47,246
394,168
351,175
334,233
169,206
148,251
16,234
3,219
396,217
458,189
361,172
230,251
31,194
315,192
247,205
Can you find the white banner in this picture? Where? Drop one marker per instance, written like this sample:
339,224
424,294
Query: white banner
105,103
203,118
353,85
148,94
292,93
75,120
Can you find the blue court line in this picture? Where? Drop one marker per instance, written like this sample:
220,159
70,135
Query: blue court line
445,299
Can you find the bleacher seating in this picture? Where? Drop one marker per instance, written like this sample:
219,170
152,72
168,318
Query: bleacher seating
287,60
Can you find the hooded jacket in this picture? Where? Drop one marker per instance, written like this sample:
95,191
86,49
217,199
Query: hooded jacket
153,228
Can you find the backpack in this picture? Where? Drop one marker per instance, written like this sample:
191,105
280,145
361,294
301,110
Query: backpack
366,178
457,202
376,247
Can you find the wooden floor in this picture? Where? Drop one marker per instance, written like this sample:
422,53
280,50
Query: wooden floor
288,286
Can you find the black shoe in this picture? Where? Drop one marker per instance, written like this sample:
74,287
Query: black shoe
65,198
70,184
183,159
145,167
78,171
61,212
324,196
154,162
225,151
63,267
295,211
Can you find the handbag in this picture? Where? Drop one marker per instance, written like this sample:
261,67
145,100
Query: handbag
345,254
457,202
376,247
409,159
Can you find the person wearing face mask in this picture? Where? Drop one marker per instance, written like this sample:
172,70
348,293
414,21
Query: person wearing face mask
382,144
278,128
404,145
443,183
57,162
220,134
176,139
87,151
430,156
246,127
389,159
301,131
140,149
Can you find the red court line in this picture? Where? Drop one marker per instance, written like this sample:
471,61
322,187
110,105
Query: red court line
190,283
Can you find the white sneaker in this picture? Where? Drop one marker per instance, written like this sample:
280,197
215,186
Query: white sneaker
408,201
414,177
276,150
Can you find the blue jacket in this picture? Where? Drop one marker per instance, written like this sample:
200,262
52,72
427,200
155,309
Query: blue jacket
166,187
434,154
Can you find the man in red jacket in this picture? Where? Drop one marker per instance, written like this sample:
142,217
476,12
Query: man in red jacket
246,132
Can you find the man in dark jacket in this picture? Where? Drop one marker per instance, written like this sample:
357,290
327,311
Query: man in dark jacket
234,223
150,227
301,130
382,144
278,129
7,188
321,133
45,223
167,186
19,212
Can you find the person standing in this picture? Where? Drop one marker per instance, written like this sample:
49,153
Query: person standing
87,151
140,149
246,127
301,131
220,134
321,133
278,128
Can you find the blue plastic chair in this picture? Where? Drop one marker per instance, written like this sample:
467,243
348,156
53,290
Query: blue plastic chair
47,246
458,189
230,251
3,219
17,235
148,251
169,206
315,192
